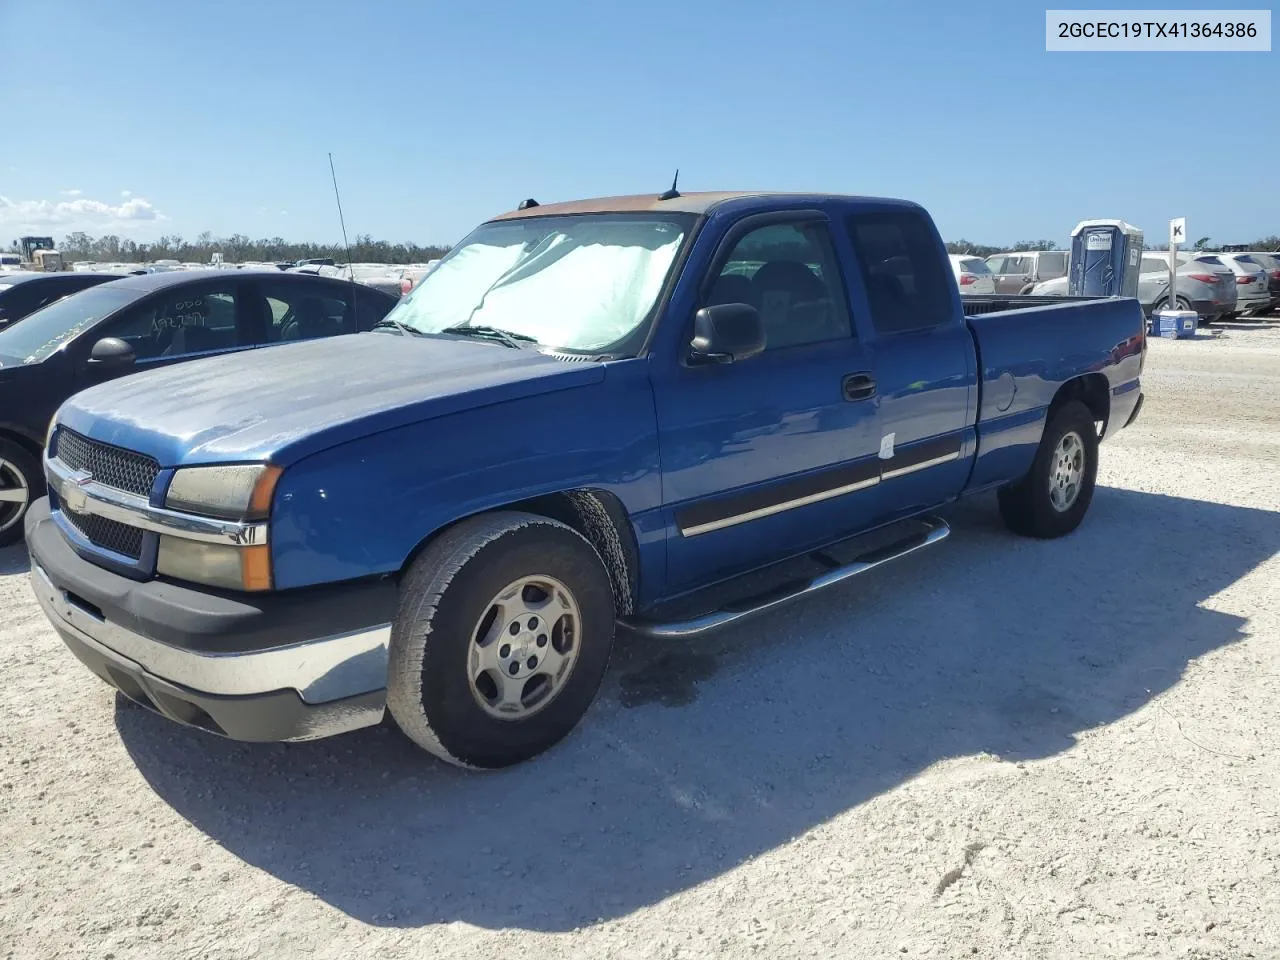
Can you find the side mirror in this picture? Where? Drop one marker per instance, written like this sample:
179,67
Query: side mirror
727,333
111,353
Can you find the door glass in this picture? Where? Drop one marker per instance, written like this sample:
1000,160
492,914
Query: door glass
180,322
902,270
306,311
786,271
1053,265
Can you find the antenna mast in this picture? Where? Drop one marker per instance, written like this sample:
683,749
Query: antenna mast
342,221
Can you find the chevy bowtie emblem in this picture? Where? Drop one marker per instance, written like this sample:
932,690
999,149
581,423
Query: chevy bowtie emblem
73,495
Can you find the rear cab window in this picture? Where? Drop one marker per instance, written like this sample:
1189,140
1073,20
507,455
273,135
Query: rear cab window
908,288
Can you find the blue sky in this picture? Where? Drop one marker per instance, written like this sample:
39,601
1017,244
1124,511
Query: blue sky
152,118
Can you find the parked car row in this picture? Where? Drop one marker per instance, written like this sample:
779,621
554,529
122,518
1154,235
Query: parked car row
1217,286
117,326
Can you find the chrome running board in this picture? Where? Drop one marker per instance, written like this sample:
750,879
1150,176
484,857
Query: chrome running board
936,530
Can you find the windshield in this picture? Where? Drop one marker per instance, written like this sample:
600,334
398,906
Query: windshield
974,265
43,332
580,283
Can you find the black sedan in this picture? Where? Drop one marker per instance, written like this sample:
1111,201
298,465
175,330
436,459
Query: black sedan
140,322
25,293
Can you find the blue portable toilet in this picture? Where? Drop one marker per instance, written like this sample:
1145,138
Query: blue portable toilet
1106,258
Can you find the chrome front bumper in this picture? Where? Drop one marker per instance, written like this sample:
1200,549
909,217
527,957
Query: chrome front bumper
302,691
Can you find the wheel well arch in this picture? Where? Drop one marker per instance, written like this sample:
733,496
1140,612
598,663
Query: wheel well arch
596,514
1093,391
22,440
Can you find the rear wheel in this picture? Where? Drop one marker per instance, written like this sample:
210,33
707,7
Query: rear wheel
501,641
1053,497
20,483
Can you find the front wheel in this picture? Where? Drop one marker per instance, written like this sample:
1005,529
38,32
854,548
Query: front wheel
501,640
20,483
1053,497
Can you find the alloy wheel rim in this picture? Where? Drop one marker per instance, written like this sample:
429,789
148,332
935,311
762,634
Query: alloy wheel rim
14,495
1067,475
524,647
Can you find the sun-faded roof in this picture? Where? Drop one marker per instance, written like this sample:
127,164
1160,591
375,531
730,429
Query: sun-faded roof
637,203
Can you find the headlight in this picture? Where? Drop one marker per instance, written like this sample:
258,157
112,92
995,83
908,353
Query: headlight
225,565
239,493
228,493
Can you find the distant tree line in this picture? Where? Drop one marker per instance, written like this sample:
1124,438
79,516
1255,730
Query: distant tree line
986,250
237,248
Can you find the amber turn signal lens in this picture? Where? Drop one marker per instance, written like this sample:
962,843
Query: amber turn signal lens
255,567
263,491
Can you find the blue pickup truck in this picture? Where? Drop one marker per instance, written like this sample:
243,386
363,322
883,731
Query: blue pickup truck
588,415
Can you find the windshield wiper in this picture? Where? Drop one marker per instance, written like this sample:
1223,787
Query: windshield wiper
508,337
385,324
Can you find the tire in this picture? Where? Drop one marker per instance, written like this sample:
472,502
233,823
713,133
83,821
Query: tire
1179,303
21,482
444,689
1030,507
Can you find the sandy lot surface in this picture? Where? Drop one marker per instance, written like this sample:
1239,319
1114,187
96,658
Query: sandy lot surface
998,748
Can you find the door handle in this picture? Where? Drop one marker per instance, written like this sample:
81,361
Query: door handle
858,386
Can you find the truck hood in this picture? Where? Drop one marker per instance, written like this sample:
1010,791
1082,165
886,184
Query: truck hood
286,402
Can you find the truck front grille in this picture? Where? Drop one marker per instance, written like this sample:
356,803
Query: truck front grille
111,466
107,534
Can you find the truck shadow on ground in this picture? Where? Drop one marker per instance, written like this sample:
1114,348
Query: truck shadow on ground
14,560
986,643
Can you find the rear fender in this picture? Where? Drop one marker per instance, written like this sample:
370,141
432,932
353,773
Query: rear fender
1034,358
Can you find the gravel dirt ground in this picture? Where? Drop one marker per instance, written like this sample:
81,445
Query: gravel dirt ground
997,748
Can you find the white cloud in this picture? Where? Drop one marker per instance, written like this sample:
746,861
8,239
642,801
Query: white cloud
126,193
76,214
72,193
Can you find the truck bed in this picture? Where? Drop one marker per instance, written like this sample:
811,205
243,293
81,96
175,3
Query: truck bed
1027,349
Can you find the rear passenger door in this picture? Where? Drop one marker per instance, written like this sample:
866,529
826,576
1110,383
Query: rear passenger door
176,324
1014,274
925,360
770,455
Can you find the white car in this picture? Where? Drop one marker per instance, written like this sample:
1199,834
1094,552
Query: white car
972,274
1252,292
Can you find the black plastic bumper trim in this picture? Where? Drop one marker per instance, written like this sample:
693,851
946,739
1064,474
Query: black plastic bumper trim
205,619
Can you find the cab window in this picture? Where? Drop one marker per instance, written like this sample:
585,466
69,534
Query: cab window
787,272
180,322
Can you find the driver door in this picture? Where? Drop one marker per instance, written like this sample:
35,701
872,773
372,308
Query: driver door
767,456
176,324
